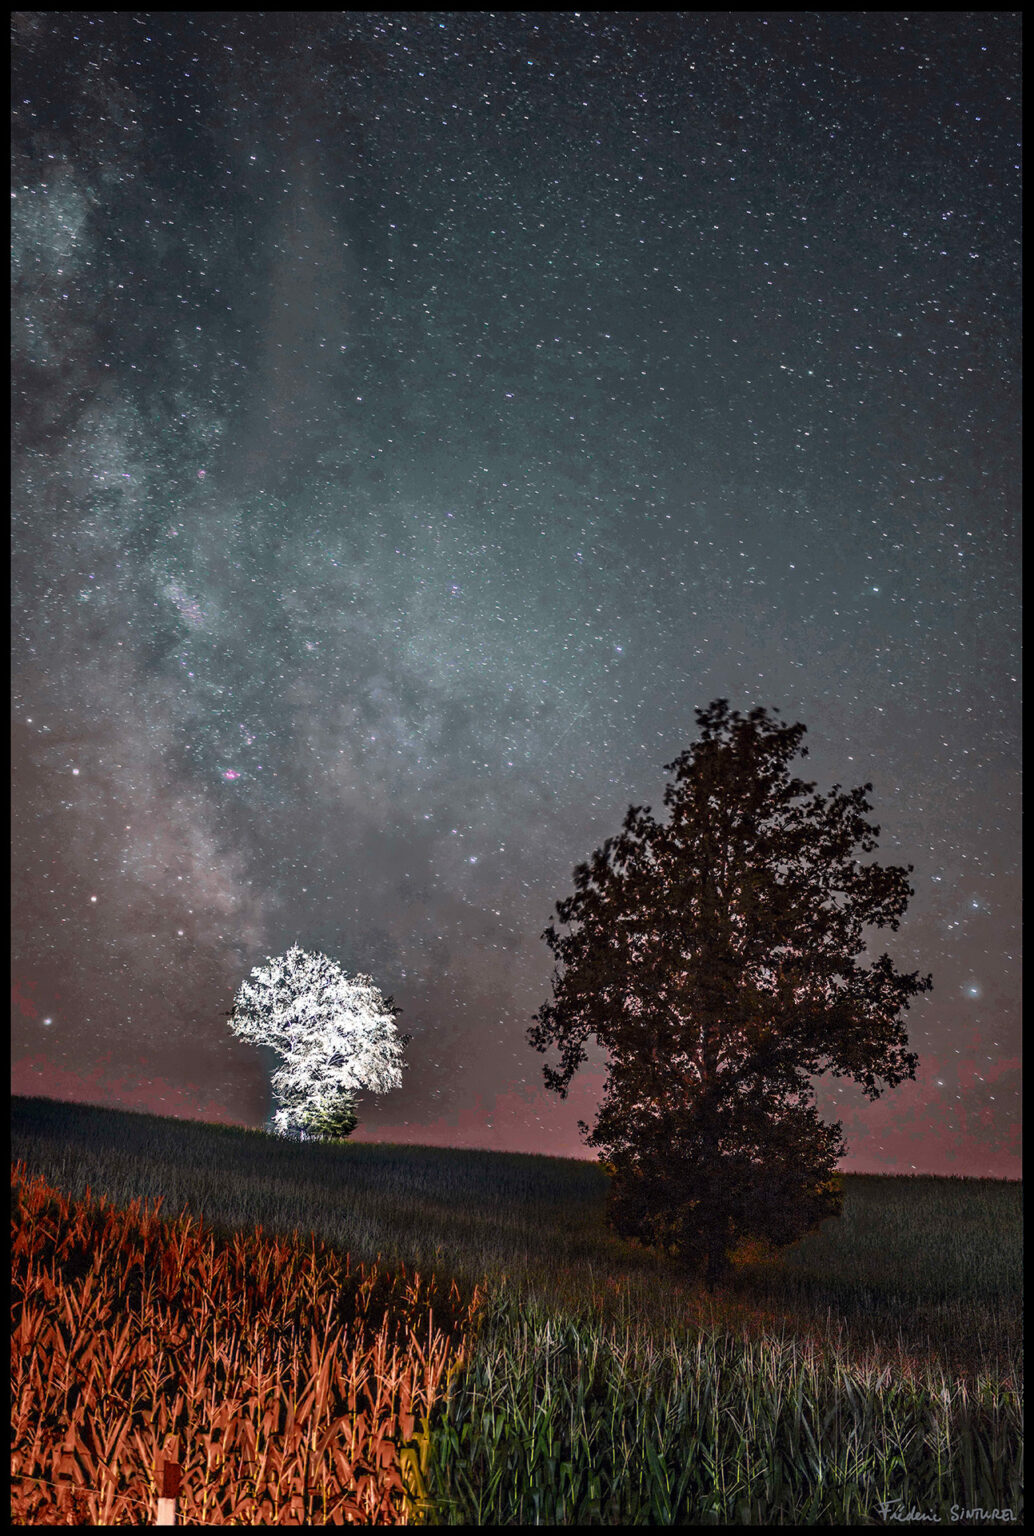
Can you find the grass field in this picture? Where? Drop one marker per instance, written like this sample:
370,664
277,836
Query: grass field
873,1370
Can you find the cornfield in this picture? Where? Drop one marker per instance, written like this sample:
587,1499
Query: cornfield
567,1422
375,1333
294,1379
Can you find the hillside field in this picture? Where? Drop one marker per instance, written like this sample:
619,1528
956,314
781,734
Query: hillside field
454,1337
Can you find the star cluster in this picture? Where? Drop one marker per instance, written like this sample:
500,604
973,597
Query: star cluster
419,414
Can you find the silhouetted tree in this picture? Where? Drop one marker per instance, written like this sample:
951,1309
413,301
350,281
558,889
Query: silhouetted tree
714,959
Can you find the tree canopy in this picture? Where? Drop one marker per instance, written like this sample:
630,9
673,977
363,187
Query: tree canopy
716,959
336,1035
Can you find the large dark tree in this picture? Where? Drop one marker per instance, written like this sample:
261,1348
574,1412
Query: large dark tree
715,959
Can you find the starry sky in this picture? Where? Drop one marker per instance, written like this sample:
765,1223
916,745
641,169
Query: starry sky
418,415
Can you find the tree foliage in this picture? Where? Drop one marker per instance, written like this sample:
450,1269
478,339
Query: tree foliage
333,1121
336,1035
715,958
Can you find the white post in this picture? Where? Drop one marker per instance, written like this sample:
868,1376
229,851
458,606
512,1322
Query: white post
167,1475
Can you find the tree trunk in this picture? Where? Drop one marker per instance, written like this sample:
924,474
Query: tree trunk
715,1269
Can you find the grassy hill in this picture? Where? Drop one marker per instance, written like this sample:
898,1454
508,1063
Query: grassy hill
876,1361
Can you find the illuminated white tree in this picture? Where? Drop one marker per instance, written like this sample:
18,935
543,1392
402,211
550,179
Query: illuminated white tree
336,1034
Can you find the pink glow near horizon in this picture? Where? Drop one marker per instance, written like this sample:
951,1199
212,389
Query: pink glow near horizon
885,1141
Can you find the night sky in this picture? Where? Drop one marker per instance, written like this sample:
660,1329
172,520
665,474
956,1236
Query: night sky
418,415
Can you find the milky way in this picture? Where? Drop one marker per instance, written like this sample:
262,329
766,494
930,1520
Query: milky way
418,415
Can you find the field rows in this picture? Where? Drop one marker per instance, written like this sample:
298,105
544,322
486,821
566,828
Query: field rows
455,1337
